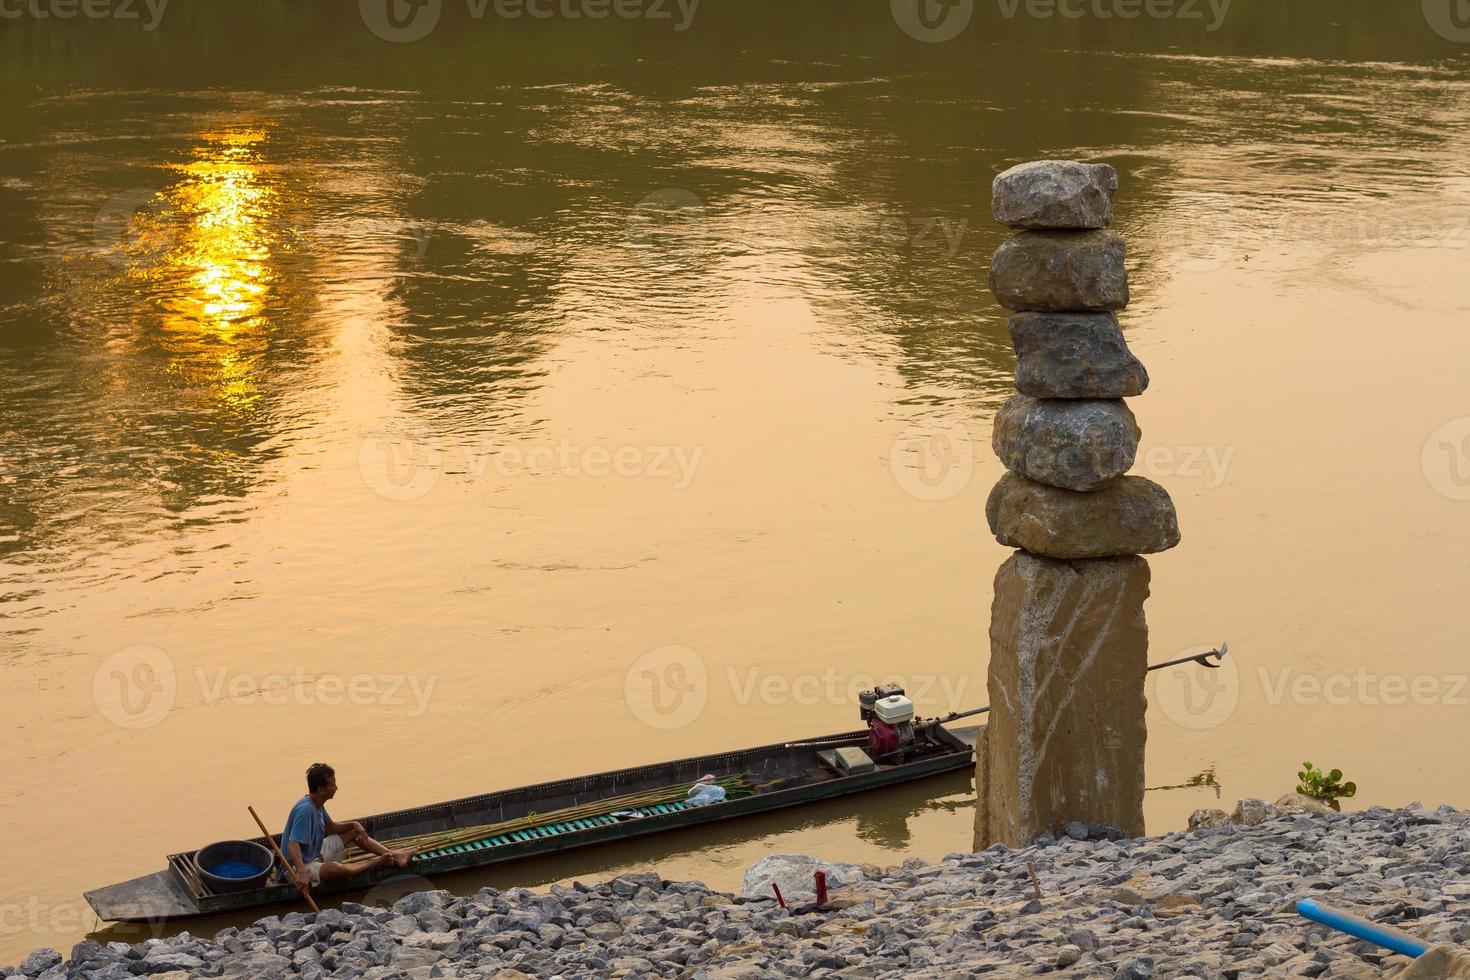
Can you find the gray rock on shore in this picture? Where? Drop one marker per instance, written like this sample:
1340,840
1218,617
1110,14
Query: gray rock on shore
1078,444
40,962
1127,516
1055,194
795,874
1060,272
1074,355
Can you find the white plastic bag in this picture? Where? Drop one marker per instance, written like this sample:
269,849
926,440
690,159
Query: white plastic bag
705,792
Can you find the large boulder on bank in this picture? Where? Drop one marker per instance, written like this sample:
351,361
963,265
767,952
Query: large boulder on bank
1208,819
1061,271
1301,803
1250,811
796,876
1055,194
1127,516
1074,355
1079,444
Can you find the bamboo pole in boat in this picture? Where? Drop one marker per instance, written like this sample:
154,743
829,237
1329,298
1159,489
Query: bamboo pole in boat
436,840
448,838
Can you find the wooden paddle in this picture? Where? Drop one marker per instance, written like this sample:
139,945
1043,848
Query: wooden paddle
305,891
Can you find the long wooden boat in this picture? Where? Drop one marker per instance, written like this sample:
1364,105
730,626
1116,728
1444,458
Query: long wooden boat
798,768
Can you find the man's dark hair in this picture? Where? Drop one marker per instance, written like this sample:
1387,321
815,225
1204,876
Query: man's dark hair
317,776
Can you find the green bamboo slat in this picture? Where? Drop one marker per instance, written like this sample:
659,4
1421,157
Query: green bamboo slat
539,826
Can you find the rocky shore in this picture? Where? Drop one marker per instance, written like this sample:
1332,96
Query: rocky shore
1216,901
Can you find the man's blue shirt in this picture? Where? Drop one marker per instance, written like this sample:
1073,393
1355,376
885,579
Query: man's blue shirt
307,826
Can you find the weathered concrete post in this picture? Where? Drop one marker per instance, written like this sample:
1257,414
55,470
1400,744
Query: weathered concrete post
1068,640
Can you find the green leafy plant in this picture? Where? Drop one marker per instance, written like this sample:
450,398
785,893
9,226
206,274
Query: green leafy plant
1327,787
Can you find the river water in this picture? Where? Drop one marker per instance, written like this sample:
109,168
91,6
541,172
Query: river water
543,396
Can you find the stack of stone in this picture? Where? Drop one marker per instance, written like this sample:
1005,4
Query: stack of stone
1069,644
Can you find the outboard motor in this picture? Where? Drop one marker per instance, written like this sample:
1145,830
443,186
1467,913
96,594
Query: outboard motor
890,718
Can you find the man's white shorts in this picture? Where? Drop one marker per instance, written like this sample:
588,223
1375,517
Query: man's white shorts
332,850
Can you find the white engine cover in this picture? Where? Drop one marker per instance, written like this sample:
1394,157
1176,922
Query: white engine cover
894,710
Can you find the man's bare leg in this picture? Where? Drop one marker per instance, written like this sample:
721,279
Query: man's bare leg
357,836
338,869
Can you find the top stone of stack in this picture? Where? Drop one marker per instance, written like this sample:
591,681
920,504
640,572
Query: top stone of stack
1057,194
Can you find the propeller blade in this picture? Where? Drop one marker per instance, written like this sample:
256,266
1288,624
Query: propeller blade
1204,659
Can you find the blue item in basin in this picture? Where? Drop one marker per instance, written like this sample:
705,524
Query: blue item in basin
234,869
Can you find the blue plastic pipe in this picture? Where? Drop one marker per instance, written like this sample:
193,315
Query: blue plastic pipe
1385,936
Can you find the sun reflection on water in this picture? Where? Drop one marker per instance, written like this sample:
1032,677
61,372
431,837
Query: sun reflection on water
217,273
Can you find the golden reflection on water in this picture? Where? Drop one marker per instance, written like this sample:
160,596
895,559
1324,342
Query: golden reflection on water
214,277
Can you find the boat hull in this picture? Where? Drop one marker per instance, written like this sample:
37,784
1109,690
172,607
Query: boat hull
170,894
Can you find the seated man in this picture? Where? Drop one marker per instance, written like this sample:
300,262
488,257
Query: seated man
315,844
